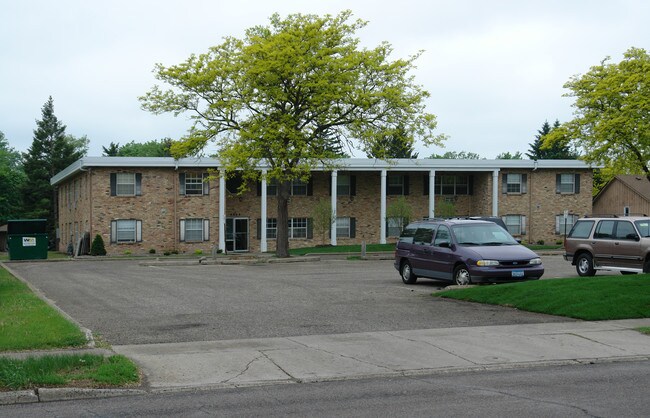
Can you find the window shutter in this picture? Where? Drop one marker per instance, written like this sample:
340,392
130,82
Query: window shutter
206,230
470,185
353,227
524,183
138,184
310,186
113,231
259,188
577,184
259,228
138,231
113,184
504,183
406,185
310,228
182,230
425,184
557,223
558,181
181,183
523,225
329,189
353,185
206,185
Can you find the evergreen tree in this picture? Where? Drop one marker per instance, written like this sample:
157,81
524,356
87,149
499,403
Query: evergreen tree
51,151
12,178
395,144
112,150
560,150
97,247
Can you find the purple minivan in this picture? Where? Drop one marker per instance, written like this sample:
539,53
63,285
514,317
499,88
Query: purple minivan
464,252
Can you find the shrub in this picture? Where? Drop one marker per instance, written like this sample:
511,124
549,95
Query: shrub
540,242
127,252
152,251
198,252
166,253
97,247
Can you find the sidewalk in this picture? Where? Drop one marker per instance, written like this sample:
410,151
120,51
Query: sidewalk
313,358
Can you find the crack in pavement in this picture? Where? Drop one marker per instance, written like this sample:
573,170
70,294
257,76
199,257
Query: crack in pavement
278,366
432,345
343,356
248,365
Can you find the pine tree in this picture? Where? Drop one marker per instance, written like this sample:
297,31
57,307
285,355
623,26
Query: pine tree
97,247
51,151
558,151
12,178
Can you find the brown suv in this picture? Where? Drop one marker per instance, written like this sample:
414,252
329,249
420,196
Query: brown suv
621,244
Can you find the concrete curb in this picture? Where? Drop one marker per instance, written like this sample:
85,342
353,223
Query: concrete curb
204,261
63,394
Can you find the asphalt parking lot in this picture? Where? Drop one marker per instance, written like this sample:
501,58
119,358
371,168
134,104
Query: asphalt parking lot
127,303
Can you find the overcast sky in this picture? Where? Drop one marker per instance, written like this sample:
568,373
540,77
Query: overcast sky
495,69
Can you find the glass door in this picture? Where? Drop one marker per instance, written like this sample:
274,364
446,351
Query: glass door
236,234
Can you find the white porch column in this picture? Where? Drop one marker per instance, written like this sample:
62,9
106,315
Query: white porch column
222,211
432,195
495,193
333,203
263,245
382,210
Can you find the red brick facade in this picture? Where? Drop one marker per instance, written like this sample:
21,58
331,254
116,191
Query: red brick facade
162,214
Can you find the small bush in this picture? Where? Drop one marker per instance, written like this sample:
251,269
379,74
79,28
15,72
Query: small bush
97,246
127,252
198,252
167,253
152,251
174,251
559,242
540,242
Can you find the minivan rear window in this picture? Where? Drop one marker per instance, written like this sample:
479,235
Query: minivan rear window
407,234
582,229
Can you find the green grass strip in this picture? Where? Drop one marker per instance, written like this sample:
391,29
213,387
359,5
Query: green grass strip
592,299
85,370
27,323
328,249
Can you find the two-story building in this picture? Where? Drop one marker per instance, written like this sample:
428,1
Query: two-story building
162,204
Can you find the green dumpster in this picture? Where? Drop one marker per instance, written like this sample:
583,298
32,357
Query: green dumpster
27,239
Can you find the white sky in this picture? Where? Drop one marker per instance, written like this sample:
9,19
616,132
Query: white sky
495,69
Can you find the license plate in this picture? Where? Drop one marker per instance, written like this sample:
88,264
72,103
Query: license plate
518,273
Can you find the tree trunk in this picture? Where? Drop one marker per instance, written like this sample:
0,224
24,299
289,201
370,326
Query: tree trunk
282,237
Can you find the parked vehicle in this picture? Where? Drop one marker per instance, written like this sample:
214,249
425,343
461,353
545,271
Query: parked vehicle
609,243
463,251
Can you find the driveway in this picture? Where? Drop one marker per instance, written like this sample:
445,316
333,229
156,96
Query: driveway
127,303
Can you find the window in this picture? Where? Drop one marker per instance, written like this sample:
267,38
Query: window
297,188
343,185
514,183
516,224
397,184
423,235
126,184
298,228
442,236
560,226
271,228
604,229
126,230
343,227
394,226
625,230
626,211
567,183
194,230
450,185
193,184
581,229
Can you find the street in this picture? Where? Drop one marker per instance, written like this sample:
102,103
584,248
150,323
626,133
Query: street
592,390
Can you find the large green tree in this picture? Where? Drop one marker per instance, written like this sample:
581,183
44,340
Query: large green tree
289,93
612,114
152,148
51,151
457,155
558,150
12,178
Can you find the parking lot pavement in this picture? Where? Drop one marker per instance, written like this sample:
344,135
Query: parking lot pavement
127,303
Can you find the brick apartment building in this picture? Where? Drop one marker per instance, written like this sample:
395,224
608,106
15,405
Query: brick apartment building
140,204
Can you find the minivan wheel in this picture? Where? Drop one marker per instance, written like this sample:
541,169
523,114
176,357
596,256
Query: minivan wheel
462,276
585,265
407,273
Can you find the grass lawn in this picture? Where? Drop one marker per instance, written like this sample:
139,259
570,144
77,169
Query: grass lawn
371,248
84,370
592,299
51,255
27,323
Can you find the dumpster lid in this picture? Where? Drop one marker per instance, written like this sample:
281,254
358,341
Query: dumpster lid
26,226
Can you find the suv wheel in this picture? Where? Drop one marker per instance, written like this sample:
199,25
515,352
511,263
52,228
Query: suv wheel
585,265
462,276
407,273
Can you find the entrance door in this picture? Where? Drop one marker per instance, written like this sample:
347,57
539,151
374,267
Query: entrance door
236,234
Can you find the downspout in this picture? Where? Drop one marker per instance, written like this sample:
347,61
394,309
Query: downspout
530,205
175,189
